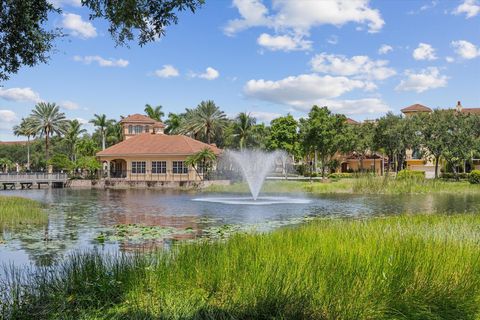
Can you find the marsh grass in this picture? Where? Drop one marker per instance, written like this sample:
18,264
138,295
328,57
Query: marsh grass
365,184
16,211
402,267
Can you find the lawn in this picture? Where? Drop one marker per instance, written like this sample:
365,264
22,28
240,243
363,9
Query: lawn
397,267
362,185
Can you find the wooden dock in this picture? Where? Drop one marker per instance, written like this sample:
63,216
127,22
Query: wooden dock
11,181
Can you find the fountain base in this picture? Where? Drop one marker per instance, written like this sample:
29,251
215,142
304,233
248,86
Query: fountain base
261,201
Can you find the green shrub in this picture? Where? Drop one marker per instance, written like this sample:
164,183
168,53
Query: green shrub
474,177
342,175
410,174
451,176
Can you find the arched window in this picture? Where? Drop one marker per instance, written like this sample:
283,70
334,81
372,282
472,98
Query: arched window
138,129
130,129
147,129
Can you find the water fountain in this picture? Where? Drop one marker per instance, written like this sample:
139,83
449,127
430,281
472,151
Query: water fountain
254,166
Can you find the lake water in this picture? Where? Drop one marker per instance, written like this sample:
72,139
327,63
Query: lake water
128,220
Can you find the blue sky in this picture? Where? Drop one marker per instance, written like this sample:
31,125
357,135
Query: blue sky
361,58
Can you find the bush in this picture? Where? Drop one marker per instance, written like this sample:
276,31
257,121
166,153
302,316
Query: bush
474,177
342,175
313,174
410,174
451,176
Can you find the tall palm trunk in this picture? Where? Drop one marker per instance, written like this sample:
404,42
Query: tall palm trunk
103,139
28,153
46,145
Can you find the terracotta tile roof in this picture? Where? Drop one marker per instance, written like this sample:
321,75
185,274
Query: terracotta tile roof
351,121
471,110
140,118
11,143
416,108
156,144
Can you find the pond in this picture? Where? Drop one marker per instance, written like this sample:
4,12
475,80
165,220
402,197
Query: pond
128,220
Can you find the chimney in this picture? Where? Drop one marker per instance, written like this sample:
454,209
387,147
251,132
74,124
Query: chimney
459,106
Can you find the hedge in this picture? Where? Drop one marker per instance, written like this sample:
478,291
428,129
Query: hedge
474,177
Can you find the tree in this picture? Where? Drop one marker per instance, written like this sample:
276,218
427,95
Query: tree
174,123
90,164
433,132
362,138
114,132
6,164
72,136
86,147
387,137
460,139
25,41
47,120
60,162
204,122
154,113
323,132
101,122
243,129
284,135
26,128
205,158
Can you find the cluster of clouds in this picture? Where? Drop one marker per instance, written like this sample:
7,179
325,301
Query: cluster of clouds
169,71
292,20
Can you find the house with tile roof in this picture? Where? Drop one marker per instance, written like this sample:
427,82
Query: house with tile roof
147,154
414,159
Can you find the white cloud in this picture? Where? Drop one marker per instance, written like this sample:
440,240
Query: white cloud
302,91
7,119
384,49
449,59
333,39
424,51
167,71
359,66
101,61
61,3
469,7
465,49
69,105
424,80
209,74
78,27
20,94
283,43
301,16
264,116
356,107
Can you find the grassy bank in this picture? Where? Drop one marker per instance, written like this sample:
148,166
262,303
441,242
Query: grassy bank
362,185
404,267
15,211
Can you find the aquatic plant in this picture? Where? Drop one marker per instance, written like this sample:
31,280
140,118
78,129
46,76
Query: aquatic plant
16,211
397,267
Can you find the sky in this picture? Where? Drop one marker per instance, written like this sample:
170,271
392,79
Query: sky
269,58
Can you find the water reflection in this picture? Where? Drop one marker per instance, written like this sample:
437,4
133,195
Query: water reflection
84,219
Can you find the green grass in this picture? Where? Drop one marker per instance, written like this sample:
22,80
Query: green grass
403,267
16,211
361,185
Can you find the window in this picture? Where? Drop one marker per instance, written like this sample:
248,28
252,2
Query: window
179,167
147,129
138,166
159,166
130,129
138,129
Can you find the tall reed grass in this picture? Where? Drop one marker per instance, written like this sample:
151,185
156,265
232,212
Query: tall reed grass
403,267
15,211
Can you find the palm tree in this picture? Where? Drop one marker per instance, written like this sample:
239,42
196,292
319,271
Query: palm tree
155,113
114,132
47,120
72,136
102,123
243,129
174,123
26,129
205,121
205,157
6,164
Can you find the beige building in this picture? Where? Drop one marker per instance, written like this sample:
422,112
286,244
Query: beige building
147,154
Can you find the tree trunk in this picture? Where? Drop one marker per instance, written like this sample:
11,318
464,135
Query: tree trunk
46,146
436,166
28,153
374,166
103,140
